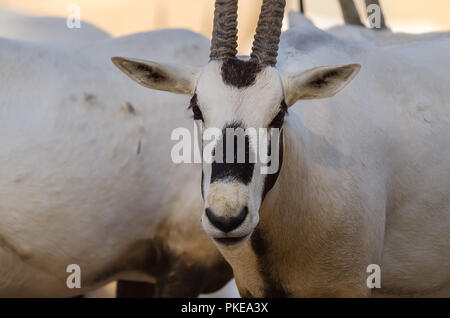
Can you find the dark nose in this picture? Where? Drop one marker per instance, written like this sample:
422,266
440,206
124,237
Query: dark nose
226,224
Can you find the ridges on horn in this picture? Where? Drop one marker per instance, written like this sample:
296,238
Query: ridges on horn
224,36
268,32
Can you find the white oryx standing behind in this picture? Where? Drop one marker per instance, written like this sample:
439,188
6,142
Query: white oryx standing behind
365,175
87,175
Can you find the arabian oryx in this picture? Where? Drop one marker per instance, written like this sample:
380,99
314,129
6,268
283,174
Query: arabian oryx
365,175
86,180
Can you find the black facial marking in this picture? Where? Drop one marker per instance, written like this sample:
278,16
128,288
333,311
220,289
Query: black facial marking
278,120
239,73
226,224
241,172
150,72
272,286
323,79
270,180
203,179
195,108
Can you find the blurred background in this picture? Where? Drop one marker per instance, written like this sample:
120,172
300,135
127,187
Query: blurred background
121,17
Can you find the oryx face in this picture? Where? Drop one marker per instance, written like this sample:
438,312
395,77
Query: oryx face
240,100
244,102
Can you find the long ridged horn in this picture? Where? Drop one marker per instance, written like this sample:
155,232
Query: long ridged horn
224,36
268,32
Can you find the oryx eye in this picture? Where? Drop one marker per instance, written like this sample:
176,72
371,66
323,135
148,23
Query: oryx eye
195,109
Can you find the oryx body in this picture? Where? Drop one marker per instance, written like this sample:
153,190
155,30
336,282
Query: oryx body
87,174
365,176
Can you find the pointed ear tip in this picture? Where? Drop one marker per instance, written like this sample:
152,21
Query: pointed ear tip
353,69
116,60
356,66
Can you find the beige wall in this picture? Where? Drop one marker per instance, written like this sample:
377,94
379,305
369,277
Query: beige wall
413,16
120,17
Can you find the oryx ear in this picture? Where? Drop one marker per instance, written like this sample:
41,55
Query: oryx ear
319,82
163,77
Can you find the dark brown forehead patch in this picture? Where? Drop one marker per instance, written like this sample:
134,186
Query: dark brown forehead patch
239,73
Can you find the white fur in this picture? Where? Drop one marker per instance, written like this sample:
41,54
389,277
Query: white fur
366,175
369,166
48,30
83,176
182,79
222,104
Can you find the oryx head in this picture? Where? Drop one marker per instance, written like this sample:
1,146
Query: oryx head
242,95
